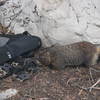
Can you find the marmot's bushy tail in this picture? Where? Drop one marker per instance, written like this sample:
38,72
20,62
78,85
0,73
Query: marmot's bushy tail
98,50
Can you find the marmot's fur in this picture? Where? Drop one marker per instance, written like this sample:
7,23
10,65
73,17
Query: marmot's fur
80,53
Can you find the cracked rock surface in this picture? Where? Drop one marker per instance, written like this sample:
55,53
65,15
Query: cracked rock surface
55,21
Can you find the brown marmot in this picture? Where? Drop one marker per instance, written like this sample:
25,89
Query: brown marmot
76,54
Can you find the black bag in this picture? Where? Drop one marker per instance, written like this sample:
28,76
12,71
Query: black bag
18,45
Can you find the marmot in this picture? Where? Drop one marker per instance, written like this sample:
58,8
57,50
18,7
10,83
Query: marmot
76,54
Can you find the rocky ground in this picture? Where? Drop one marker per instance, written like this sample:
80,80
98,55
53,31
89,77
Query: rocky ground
79,83
47,84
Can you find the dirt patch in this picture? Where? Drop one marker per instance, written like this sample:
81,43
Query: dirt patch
47,84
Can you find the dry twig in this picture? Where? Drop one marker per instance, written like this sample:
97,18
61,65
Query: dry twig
93,86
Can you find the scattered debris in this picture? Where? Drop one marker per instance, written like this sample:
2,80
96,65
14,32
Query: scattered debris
30,65
93,86
19,71
7,93
5,70
22,76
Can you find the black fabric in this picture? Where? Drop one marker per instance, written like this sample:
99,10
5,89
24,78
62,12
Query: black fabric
3,41
23,45
18,45
4,54
12,37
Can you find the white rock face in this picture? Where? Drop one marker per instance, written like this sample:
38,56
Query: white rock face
55,21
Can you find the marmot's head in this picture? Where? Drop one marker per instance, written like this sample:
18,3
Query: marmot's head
43,57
